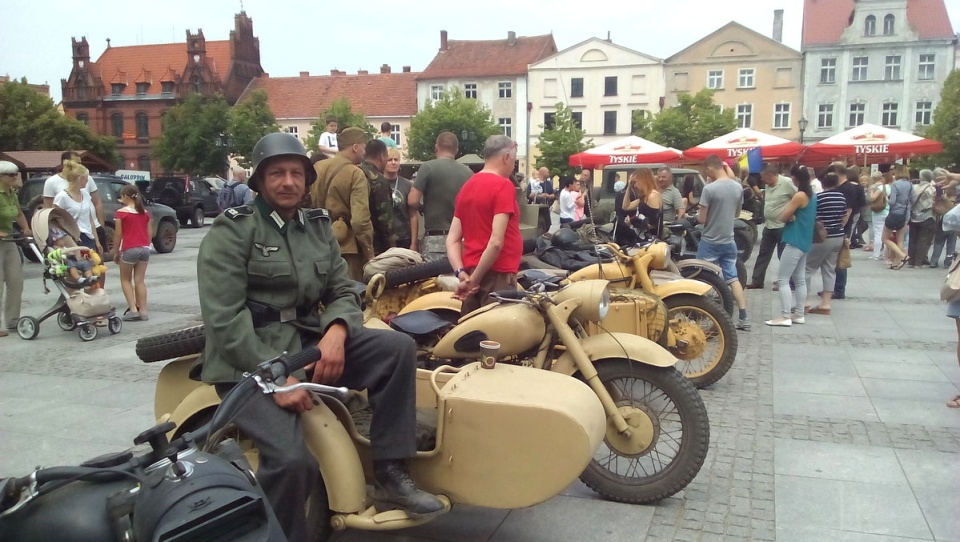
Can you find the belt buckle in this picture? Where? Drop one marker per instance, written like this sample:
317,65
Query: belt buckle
288,315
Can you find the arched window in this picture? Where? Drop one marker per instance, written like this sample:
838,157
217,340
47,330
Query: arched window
81,88
197,83
143,162
888,25
870,26
84,118
116,121
163,120
143,127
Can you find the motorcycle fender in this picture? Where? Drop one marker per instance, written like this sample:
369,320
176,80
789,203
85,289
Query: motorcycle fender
693,262
433,301
326,438
619,346
681,286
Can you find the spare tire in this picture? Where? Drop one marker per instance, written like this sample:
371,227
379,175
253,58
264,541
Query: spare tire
184,342
415,273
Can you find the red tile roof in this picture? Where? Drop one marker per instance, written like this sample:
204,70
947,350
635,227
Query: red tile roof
375,94
825,20
123,64
489,58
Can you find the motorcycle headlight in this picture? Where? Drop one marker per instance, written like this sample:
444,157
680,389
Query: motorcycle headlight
594,296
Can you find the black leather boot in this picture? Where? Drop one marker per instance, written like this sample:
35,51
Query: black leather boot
395,487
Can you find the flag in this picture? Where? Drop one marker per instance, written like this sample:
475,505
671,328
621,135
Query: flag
751,161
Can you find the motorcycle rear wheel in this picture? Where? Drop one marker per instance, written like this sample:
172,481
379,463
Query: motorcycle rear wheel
720,350
722,294
666,410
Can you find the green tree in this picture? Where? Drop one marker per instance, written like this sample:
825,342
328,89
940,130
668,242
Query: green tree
247,122
193,136
346,117
452,113
946,124
561,141
29,121
694,120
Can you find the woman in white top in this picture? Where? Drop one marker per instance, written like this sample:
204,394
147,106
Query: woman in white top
76,200
569,194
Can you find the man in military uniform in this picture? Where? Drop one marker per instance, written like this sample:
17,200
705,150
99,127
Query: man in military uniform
342,189
381,196
271,279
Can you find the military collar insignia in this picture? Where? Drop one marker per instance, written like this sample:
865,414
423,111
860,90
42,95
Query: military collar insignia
265,249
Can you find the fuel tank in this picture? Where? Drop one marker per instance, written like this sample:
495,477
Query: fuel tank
517,328
615,272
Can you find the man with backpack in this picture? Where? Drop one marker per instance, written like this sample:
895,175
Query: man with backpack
235,193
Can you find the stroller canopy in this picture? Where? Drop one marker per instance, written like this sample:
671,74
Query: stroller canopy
44,219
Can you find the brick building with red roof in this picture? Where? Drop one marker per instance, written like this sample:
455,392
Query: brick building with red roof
492,71
297,102
126,91
874,61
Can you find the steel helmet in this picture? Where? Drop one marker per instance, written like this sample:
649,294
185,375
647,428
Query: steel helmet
279,144
566,238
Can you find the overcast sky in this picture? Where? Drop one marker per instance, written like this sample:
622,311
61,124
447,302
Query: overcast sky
320,35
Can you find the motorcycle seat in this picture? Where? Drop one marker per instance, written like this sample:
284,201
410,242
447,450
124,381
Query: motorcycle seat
419,323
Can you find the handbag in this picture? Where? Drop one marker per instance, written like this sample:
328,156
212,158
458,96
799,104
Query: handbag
819,232
555,208
880,203
951,220
843,259
950,289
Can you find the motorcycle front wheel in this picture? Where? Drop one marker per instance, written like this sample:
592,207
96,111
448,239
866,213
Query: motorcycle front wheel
721,295
668,441
706,339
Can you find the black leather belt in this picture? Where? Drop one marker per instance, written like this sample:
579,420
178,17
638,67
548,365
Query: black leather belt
263,314
436,232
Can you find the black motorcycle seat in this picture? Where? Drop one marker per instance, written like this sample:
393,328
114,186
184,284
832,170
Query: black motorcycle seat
419,323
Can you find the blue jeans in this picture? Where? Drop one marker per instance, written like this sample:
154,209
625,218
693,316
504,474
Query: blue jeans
724,255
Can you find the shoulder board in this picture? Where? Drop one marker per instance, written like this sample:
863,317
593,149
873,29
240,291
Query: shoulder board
317,214
234,213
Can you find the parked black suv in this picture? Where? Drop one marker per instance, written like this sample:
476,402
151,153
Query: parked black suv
108,186
193,198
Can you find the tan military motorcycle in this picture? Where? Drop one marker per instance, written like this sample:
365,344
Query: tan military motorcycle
512,436
697,331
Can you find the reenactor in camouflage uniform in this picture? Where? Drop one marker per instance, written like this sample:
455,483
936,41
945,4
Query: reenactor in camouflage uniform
381,196
342,189
271,279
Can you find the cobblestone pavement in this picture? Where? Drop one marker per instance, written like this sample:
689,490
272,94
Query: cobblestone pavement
867,384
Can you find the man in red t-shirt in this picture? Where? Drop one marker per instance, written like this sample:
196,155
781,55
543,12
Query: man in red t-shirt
484,244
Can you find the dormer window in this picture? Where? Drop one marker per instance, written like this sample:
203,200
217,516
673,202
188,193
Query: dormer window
870,26
142,88
117,89
166,87
888,22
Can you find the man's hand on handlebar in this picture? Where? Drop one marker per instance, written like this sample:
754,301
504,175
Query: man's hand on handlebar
296,401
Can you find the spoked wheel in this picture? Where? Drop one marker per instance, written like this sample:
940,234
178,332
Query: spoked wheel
668,441
65,322
88,332
28,327
114,324
706,341
721,294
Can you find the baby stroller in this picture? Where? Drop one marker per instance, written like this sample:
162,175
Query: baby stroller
81,304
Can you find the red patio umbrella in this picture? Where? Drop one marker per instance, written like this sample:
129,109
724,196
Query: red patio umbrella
869,142
740,141
629,150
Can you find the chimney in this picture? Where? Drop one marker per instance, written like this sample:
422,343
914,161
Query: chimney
304,74
778,25
337,72
385,68
443,40
406,69
608,37
512,37
363,72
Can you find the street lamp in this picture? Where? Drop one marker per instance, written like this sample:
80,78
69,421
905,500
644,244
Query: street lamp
803,123
224,145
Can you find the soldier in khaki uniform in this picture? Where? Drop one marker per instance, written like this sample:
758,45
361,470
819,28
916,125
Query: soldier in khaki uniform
342,189
271,279
381,196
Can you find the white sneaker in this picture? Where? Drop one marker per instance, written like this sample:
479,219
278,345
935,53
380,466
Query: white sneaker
781,323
